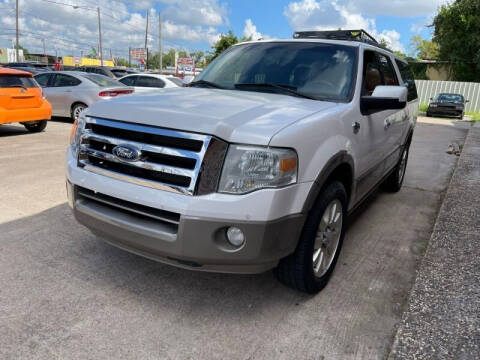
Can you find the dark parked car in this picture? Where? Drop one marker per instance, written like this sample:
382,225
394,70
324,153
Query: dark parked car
102,70
451,105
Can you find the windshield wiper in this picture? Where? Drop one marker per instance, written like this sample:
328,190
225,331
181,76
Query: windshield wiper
284,88
205,83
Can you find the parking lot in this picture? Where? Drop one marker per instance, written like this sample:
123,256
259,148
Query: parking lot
65,294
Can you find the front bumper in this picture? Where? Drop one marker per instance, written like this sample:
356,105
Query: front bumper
271,220
442,111
196,243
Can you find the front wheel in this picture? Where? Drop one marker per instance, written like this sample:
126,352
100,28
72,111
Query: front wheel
76,111
35,126
309,268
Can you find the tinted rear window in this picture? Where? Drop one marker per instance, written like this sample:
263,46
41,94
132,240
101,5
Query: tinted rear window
102,80
17,81
119,73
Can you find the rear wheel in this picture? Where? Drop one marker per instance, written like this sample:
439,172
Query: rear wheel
76,110
309,268
395,181
35,126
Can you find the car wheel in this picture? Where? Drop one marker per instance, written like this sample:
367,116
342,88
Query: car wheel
76,110
460,117
310,267
428,114
35,126
395,181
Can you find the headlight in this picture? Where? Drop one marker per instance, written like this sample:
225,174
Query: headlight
459,107
249,168
75,133
433,105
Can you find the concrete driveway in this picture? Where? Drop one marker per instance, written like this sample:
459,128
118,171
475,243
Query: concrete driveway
65,294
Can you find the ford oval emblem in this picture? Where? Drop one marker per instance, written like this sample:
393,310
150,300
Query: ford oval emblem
126,152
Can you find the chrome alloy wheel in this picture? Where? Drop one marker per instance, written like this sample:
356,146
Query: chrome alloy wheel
328,237
76,112
402,166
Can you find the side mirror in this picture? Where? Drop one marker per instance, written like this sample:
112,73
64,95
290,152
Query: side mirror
431,98
384,98
467,101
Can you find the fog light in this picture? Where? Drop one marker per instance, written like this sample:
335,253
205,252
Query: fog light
235,236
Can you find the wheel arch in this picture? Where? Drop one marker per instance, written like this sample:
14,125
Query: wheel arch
340,167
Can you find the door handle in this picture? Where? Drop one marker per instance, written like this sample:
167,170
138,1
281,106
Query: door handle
355,127
68,90
388,123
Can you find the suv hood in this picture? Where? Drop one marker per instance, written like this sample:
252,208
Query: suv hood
233,115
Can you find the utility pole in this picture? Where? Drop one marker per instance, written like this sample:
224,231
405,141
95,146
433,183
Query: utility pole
146,42
160,55
146,32
99,36
16,27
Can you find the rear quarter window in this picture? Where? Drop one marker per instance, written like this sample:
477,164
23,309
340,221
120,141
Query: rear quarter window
7,81
408,79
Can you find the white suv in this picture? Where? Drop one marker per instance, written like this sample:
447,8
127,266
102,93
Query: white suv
256,165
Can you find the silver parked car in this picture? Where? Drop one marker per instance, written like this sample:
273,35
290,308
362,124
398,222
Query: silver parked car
149,82
70,92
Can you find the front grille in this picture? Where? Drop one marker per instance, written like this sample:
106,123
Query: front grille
170,220
167,159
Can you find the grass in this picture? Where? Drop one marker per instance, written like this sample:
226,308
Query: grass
475,115
423,107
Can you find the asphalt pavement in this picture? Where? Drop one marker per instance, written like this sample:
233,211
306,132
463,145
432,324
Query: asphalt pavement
66,294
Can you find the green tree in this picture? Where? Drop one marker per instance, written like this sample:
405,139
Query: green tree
224,43
93,54
121,62
424,49
198,57
457,32
386,44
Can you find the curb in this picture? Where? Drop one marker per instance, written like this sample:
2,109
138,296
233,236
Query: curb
442,318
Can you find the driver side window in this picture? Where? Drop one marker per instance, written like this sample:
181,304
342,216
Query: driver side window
377,70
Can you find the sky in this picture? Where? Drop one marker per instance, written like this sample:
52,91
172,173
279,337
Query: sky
70,27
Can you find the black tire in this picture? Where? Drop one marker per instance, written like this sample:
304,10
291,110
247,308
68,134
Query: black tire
428,114
35,126
394,181
297,270
76,110
460,117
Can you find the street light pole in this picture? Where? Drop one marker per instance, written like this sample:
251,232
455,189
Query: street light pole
99,36
16,23
160,55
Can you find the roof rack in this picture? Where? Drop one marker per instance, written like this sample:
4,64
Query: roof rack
348,35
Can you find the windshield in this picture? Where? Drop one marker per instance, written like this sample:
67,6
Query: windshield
321,71
102,80
450,98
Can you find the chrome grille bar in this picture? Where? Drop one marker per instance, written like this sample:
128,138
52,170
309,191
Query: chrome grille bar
170,160
141,164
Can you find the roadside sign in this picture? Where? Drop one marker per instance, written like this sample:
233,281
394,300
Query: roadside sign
138,54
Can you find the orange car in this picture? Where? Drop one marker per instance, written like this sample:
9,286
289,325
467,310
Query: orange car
22,100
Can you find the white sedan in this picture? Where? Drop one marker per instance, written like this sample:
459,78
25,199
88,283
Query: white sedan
149,82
